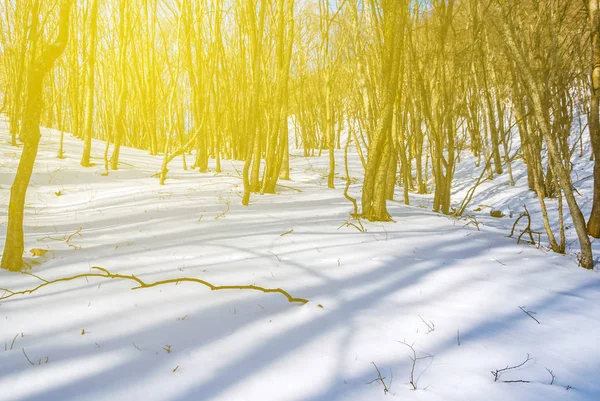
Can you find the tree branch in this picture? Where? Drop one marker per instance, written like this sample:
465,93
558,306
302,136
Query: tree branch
141,284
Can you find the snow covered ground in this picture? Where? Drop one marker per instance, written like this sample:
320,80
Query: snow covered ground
369,291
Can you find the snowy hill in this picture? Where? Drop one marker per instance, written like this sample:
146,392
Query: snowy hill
469,302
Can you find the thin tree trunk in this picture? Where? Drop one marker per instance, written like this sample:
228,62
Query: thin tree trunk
593,225
12,258
89,101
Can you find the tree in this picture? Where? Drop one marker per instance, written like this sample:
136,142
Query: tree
542,104
120,117
89,100
38,68
593,225
381,147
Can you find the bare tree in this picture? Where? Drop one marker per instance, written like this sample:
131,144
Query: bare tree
38,68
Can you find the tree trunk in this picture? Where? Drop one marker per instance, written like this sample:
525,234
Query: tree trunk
562,174
122,99
89,102
12,258
593,225
381,144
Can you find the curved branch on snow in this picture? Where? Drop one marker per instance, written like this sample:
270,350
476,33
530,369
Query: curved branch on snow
141,284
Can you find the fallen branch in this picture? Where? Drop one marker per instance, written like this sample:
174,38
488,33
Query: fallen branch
28,360
288,187
430,325
381,380
228,203
527,229
141,284
498,372
472,220
414,359
66,238
529,313
74,234
362,228
287,232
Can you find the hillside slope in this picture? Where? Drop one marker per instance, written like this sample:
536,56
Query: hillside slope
451,291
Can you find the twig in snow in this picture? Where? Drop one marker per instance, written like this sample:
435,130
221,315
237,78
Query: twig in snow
142,284
33,275
362,229
529,313
472,221
13,341
551,374
498,372
380,379
526,230
458,337
74,234
288,187
430,325
28,360
236,169
66,238
221,215
414,359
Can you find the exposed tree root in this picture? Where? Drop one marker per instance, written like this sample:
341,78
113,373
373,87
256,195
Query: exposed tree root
141,284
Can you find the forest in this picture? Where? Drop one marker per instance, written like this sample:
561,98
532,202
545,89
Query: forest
313,199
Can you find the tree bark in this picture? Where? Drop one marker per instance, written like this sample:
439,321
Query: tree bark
554,155
12,258
89,103
593,225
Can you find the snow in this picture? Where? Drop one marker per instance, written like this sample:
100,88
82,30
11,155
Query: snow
368,291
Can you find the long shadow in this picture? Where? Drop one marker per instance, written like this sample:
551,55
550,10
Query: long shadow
383,283
393,277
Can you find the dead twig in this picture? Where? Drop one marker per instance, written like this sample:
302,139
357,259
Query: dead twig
13,342
141,284
529,313
498,372
472,221
288,187
381,380
221,215
430,325
286,233
274,254
414,359
526,230
66,238
359,227
28,360
78,232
